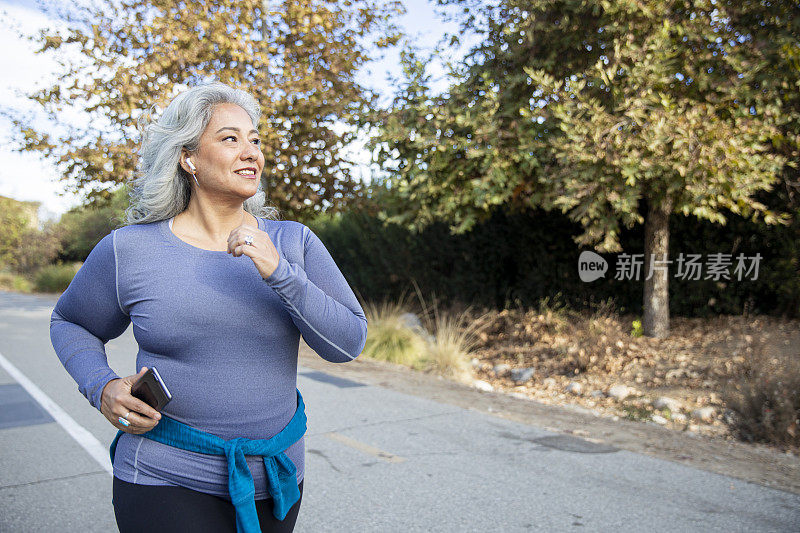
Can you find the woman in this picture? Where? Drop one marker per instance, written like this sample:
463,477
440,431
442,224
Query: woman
218,292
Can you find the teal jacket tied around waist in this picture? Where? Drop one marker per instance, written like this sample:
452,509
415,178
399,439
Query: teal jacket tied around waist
281,472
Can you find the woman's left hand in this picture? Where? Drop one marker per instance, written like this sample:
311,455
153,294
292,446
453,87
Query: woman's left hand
263,253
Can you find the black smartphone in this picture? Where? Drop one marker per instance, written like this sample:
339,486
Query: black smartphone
151,389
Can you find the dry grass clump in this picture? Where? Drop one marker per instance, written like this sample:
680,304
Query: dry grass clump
765,394
455,335
441,341
390,338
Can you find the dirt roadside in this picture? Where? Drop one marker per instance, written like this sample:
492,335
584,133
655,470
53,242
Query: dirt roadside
750,462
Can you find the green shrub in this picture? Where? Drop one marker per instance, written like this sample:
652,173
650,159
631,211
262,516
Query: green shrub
637,330
530,255
54,278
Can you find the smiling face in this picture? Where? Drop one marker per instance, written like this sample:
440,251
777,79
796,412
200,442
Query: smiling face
229,157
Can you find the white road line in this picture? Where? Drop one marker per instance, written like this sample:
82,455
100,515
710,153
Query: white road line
87,441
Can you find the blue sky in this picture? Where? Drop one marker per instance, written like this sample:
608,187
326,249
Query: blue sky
31,177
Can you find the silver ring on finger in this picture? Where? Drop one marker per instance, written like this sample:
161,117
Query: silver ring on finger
248,240
124,419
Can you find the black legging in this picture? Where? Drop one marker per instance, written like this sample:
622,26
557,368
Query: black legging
153,509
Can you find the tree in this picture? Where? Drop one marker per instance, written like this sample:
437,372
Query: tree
608,110
24,247
14,221
81,228
298,58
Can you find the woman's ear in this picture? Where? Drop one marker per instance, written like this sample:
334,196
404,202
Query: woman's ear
186,162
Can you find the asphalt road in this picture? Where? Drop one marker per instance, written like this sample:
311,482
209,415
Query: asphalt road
377,460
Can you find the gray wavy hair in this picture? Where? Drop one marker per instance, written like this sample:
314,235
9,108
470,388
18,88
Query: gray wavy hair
161,188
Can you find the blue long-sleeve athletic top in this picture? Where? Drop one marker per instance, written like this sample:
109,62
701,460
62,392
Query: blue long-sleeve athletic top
224,339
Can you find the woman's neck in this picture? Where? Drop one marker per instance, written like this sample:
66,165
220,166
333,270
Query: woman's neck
210,224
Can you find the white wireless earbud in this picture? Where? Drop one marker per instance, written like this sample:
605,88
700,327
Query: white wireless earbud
191,165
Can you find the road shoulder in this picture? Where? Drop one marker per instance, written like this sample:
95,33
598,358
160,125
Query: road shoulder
755,463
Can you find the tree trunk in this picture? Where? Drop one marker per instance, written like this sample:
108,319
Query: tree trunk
655,322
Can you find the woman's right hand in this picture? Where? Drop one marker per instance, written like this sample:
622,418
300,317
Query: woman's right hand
117,401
